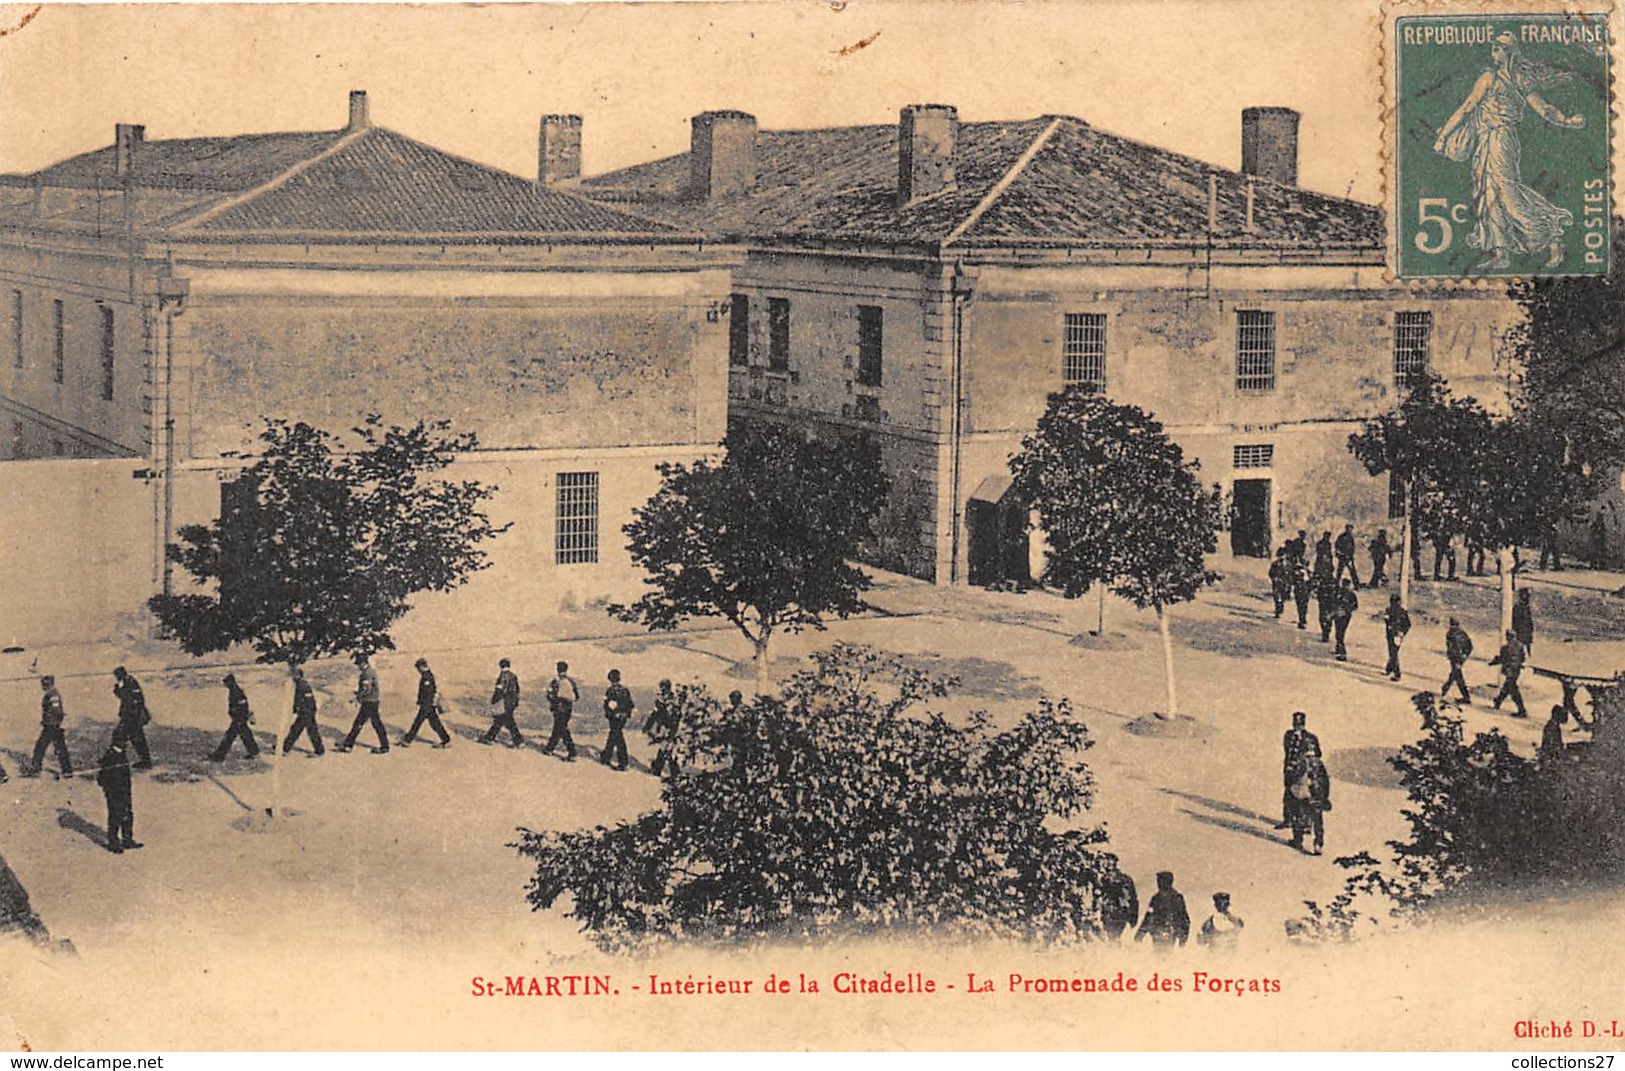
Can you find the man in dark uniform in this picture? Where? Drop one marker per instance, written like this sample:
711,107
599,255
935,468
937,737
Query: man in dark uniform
241,717
304,715
1475,556
1444,553
618,707
1295,744
367,696
1523,621
1323,558
1551,737
1458,647
562,695
1280,581
661,727
1325,604
1297,547
1345,554
1396,624
1511,659
1551,549
1380,552
1301,591
51,717
1119,900
505,692
114,777
132,716
1311,797
1166,920
428,707
1344,603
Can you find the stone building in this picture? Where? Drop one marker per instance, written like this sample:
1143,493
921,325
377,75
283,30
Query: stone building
161,297
931,282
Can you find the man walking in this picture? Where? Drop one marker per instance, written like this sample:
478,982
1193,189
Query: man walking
367,699
562,695
1523,621
1380,552
1396,623
1280,581
241,717
51,734
1323,558
1296,742
114,778
132,716
1344,603
661,728
1458,647
506,693
428,707
1311,796
1325,604
1511,659
1345,554
1166,920
1301,591
304,716
618,707
1444,553
1119,900
1222,930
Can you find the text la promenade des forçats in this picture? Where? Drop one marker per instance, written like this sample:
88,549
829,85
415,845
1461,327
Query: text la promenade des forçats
887,983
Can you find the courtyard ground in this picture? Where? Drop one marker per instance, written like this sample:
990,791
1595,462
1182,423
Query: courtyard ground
355,913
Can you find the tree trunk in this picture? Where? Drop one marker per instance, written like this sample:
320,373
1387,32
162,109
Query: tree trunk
764,678
1503,557
1407,555
1100,616
1168,661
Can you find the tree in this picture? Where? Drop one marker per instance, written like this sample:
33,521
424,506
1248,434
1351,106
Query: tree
1120,506
843,804
763,539
326,546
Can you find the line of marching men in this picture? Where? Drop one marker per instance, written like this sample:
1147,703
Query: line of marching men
129,733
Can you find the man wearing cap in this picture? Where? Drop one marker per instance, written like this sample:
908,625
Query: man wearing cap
1458,647
661,727
1222,930
241,716
428,707
304,715
114,779
133,716
51,717
562,695
367,699
618,706
1295,744
1511,659
505,692
1166,921
1396,625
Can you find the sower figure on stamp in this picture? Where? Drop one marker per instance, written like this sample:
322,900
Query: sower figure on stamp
1510,216
1295,744
1345,554
1511,659
1396,625
304,716
1458,647
367,697
661,728
562,695
132,716
1380,552
428,707
1166,921
51,733
241,718
505,704
1119,900
618,706
114,778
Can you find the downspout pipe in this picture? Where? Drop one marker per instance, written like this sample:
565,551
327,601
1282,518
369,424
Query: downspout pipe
959,292
172,294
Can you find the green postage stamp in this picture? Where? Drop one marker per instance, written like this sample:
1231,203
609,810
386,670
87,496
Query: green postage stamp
1500,144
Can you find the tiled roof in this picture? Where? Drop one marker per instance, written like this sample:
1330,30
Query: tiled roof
1053,179
370,181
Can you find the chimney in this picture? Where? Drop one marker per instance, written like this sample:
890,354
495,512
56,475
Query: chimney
926,134
1269,144
358,110
558,149
127,139
722,155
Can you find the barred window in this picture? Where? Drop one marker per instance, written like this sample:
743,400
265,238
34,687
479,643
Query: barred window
107,352
871,340
739,329
1083,351
59,346
778,333
1252,455
1255,350
1396,496
16,328
576,531
1413,336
